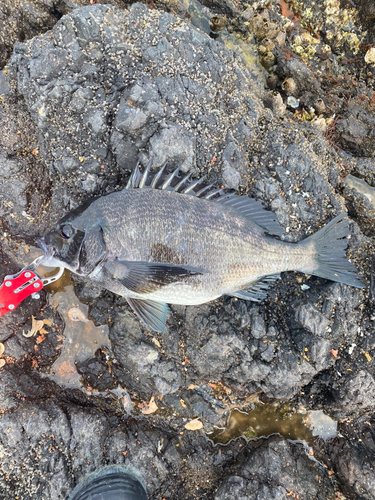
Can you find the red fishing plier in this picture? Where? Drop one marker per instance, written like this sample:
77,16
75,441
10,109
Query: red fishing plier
16,287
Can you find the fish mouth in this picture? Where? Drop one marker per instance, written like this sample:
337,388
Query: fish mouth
49,250
42,244
49,259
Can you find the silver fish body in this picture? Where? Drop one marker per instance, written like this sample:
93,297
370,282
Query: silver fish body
159,246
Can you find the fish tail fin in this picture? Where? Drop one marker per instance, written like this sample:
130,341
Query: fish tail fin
330,245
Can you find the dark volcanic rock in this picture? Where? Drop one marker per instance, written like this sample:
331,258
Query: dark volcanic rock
96,373
20,20
23,19
104,87
356,128
107,93
352,457
277,469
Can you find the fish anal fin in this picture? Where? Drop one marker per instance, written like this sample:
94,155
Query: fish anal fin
258,290
153,314
147,277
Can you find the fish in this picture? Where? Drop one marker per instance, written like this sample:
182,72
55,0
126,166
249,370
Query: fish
168,239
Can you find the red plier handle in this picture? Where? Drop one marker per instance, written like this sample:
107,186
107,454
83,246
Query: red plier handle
16,287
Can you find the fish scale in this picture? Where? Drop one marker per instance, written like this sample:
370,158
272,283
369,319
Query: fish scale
166,239
202,241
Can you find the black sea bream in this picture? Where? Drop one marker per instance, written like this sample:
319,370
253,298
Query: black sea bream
164,239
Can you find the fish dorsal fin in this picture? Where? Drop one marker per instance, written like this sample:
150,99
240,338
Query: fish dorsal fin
243,205
258,290
253,210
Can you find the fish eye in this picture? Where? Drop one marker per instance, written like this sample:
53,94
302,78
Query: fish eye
66,231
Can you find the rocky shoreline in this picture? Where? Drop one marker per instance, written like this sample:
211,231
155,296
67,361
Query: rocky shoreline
86,91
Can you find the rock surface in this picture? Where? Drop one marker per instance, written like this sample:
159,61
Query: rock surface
79,105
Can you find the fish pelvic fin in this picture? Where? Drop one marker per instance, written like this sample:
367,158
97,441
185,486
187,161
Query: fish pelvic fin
330,244
153,314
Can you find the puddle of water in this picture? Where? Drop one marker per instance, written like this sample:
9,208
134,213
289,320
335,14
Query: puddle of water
267,419
82,337
200,18
362,187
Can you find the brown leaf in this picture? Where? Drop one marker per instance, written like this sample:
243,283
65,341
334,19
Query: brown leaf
36,325
334,352
150,408
194,425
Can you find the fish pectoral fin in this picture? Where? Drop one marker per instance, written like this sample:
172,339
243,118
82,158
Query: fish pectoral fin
258,290
147,277
154,314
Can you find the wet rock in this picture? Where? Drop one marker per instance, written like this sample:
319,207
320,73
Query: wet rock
287,169
4,87
356,129
366,10
140,365
361,198
105,87
40,350
364,168
222,6
233,161
56,438
277,469
13,201
149,105
22,20
96,372
356,392
352,457
25,183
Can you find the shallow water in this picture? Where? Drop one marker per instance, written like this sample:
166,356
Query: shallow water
82,337
362,187
276,418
